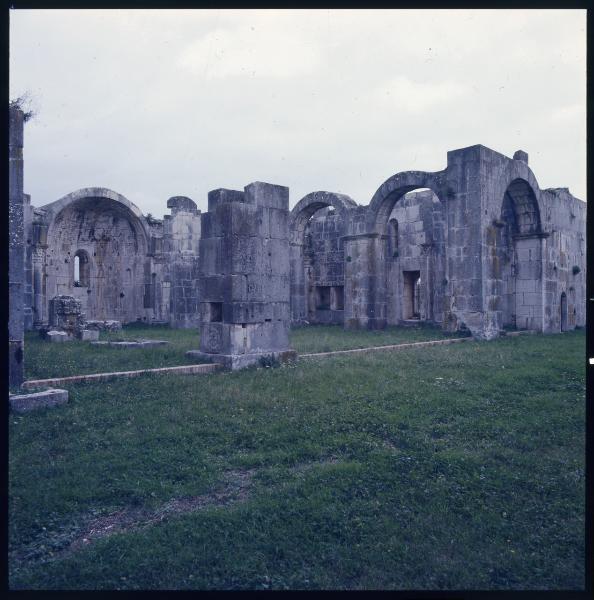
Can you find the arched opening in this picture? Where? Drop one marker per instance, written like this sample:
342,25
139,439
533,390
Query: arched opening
317,226
107,242
563,305
415,251
82,269
515,259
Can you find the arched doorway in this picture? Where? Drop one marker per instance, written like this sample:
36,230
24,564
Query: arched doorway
408,216
515,259
415,259
316,228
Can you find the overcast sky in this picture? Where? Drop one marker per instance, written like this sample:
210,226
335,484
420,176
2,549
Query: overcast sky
154,103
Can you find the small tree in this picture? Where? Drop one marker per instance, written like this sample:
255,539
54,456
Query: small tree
25,103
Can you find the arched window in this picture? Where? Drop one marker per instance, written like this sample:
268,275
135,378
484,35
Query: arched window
81,269
393,237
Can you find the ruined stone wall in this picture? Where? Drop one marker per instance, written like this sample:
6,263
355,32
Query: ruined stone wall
28,304
178,293
324,265
111,249
490,249
533,249
416,243
565,259
16,248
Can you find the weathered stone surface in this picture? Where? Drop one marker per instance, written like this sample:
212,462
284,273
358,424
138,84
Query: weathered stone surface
133,343
244,286
235,362
88,335
481,247
44,399
108,325
16,249
57,336
96,377
65,313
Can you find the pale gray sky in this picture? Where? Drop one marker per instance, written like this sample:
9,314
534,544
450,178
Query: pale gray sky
154,103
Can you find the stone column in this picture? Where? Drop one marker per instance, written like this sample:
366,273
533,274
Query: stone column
38,268
298,283
244,277
16,256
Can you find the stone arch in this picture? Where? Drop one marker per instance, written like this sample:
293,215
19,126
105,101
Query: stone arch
521,205
310,204
394,188
325,300
519,182
398,271
515,256
111,232
88,195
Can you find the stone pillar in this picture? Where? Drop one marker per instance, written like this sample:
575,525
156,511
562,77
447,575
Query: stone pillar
16,255
38,268
364,281
298,283
244,277
465,222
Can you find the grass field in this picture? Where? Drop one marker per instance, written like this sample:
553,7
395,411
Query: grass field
325,338
445,467
44,360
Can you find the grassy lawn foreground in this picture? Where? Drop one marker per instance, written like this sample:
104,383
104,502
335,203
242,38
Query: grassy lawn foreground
44,359
445,467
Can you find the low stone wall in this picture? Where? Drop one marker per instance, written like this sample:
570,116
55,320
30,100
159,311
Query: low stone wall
132,343
44,399
95,377
386,348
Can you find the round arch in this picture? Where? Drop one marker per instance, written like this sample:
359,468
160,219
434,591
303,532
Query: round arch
520,204
309,205
394,188
111,233
305,300
88,197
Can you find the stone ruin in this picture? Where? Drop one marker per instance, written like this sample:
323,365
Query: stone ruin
244,277
477,246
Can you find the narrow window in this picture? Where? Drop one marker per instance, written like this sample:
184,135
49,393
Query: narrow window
81,269
77,270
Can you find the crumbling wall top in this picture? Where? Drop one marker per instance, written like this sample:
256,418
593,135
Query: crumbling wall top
182,203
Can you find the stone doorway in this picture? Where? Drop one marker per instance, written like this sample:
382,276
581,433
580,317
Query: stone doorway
411,296
563,312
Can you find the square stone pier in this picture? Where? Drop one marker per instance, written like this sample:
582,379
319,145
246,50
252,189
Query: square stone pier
244,277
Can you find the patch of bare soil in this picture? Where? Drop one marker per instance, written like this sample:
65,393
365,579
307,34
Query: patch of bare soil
233,488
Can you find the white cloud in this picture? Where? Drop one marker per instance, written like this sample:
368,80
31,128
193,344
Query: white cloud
158,103
247,51
569,113
402,93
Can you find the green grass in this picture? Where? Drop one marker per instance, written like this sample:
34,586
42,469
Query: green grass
446,467
44,359
325,338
